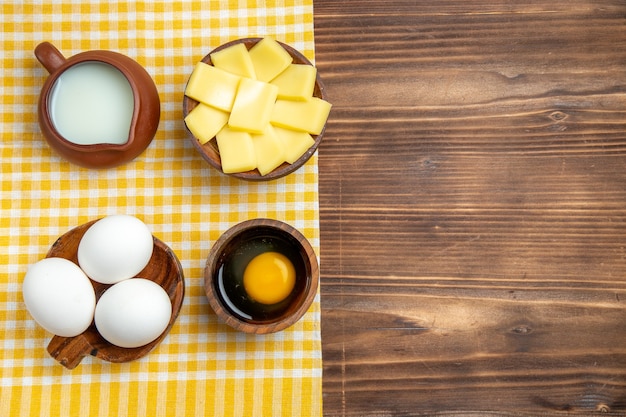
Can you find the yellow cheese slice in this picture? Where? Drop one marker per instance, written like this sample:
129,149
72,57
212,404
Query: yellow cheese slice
212,86
308,116
269,151
269,59
295,143
234,59
205,121
237,152
253,106
296,82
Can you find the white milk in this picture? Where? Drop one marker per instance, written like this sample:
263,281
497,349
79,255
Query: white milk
92,103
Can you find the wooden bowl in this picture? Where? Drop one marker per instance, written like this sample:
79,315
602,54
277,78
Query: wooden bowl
224,270
209,150
163,268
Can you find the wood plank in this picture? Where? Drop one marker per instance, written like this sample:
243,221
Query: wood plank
473,207
325,8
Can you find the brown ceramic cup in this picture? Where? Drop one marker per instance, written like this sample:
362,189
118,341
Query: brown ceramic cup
144,121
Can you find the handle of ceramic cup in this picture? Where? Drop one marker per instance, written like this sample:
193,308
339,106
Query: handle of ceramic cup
69,351
49,56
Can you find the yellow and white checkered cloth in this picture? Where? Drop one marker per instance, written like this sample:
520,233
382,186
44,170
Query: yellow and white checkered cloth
203,368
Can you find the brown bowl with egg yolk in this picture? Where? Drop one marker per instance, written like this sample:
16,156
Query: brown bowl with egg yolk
228,260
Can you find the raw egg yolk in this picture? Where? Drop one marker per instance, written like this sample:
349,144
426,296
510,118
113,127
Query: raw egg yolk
269,278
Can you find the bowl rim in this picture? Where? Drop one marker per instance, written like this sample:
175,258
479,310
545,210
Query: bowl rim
214,258
209,151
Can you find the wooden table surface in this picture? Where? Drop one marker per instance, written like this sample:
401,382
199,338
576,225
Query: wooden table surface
473,207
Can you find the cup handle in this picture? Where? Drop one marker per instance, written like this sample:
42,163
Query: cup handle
49,56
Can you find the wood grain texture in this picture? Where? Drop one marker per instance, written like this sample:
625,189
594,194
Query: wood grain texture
473,207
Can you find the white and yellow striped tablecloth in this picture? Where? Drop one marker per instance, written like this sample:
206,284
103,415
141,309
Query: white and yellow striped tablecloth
203,368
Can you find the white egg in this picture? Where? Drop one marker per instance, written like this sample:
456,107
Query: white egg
115,248
133,312
59,296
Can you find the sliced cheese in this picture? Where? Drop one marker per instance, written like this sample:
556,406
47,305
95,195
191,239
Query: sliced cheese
237,151
212,86
234,59
258,105
295,143
296,82
269,59
253,106
308,116
269,151
205,121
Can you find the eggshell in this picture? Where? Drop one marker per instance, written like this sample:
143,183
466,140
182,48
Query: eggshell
133,312
115,248
59,296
